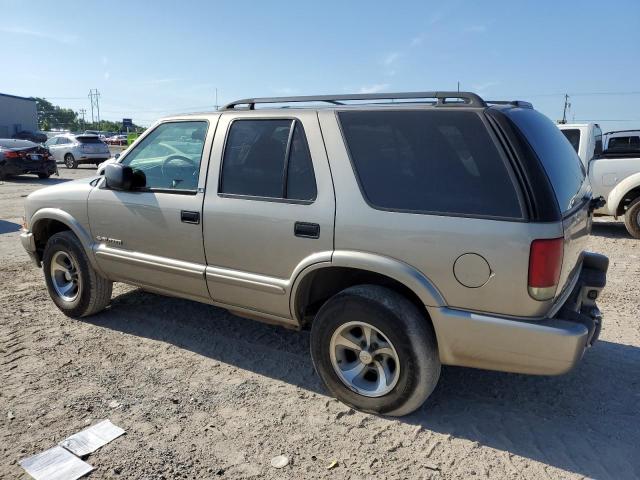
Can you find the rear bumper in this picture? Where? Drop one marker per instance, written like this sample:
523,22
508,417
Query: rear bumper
550,346
19,167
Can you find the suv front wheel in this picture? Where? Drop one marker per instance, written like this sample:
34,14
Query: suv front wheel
74,286
375,351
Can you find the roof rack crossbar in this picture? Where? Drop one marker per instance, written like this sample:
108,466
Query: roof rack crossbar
468,99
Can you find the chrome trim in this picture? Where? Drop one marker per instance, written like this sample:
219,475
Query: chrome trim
252,281
150,261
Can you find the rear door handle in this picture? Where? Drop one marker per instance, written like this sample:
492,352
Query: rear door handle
306,230
188,216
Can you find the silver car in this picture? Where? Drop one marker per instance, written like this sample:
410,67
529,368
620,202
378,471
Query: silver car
73,150
405,231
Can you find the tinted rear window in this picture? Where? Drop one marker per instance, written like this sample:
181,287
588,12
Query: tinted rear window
89,139
630,143
428,161
573,135
559,159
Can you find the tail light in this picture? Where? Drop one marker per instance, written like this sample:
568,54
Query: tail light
11,154
545,263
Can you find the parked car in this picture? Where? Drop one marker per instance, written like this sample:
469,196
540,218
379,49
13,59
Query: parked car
622,141
614,173
404,235
18,157
73,150
35,137
117,140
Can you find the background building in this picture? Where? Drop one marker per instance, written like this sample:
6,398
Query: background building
17,114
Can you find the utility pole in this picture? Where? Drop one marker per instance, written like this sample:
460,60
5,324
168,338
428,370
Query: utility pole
567,106
94,98
458,87
82,112
216,105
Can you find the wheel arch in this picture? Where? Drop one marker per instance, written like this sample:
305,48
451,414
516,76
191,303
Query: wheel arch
49,221
623,194
319,282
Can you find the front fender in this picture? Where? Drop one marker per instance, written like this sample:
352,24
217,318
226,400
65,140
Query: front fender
617,194
67,219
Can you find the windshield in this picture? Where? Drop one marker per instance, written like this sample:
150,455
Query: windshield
557,155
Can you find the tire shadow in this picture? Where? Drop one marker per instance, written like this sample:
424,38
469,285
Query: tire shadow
610,230
584,422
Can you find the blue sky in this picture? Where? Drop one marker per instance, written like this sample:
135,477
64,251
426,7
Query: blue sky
149,59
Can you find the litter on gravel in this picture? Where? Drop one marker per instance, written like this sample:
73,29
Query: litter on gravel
280,461
55,464
92,438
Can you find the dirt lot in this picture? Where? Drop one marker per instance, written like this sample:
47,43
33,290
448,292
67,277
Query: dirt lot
204,394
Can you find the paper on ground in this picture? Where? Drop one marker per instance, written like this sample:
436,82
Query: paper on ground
55,464
92,438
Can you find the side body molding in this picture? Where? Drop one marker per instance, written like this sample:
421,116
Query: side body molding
617,194
76,227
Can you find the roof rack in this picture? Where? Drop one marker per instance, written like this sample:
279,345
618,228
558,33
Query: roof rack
468,99
515,103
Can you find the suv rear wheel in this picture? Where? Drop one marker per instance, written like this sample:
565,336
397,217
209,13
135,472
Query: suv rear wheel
632,218
74,286
375,351
70,162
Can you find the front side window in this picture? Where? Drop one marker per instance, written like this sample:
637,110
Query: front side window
170,156
440,162
269,159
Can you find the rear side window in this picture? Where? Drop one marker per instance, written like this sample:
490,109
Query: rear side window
624,143
559,159
269,159
573,135
441,162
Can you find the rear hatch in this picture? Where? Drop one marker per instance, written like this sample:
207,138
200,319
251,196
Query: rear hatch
23,151
569,181
92,144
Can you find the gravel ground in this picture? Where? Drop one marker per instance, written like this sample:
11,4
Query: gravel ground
204,394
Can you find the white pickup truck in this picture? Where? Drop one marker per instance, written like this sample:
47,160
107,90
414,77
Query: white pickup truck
614,173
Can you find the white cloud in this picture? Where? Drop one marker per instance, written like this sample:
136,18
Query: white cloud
285,91
378,87
390,58
417,40
161,81
476,29
107,75
57,37
478,87
105,60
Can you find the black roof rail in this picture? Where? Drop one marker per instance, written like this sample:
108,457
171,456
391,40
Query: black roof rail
515,103
468,99
622,131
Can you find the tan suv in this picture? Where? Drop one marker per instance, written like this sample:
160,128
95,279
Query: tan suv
405,230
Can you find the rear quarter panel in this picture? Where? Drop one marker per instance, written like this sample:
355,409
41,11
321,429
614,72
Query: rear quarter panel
432,243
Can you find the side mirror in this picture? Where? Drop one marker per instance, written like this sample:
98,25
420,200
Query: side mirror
118,177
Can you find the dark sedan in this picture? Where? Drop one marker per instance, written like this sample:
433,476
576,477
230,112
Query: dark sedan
18,157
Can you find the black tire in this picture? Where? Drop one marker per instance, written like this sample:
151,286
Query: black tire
405,327
94,292
632,218
70,162
44,176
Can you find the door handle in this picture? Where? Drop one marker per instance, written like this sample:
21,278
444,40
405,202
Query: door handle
306,230
188,216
